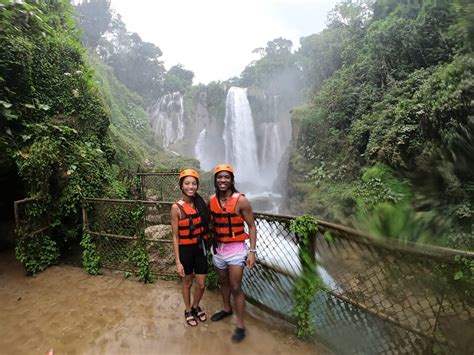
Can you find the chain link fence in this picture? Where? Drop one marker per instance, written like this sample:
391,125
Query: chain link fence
159,186
378,297
117,225
30,217
31,222
165,186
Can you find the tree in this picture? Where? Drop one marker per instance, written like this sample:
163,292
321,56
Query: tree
178,79
93,16
136,63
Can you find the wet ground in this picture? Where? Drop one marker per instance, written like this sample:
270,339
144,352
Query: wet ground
71,312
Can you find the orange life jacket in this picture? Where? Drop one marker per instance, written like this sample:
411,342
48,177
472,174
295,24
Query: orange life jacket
190,227
226,225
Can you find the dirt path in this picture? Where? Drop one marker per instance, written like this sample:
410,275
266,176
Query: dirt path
65,309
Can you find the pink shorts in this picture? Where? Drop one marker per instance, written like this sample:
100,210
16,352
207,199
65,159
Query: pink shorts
230,254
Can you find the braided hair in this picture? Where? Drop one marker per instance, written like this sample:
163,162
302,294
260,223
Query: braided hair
200,205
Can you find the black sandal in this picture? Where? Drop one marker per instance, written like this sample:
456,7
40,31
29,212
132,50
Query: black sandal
189,317
220,315
239,335
199,314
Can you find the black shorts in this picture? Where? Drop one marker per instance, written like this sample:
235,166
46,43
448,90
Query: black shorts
193,259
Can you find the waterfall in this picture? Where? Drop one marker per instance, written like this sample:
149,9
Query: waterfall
200,152
271,151
239,135
166,117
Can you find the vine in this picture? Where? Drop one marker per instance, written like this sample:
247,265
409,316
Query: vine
36,252
139,258
212,280
463,274
305,228
90,255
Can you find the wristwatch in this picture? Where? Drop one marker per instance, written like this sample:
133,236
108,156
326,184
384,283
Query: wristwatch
253,250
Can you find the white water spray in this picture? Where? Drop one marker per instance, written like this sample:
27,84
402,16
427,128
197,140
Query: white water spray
271,150
239,135
200,152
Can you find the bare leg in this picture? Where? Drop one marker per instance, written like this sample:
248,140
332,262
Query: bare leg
235,282
187,282
225,288
199,288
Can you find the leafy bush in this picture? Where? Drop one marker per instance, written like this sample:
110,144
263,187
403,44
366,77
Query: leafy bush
36,252
139,258
305,227
90,255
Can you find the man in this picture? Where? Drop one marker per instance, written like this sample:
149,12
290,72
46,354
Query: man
229,210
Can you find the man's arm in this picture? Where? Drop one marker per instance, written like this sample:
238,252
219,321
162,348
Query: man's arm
245,210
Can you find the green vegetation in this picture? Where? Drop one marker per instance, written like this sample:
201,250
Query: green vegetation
305,228
90,255
389,89
212,279
68,132
54,120
36,252
385,139
139,259
136,63
130,129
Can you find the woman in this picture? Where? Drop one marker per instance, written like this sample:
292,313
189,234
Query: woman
189,223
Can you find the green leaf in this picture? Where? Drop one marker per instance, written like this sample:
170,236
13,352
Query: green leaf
43,107
5,104
328,237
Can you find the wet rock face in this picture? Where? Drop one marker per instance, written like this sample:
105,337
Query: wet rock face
202,117
167,120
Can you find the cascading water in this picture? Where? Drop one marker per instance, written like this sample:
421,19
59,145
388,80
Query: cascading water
239,135
271,151
166,117
200,152
254,147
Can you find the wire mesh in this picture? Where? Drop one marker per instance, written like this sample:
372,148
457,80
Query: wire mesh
377,298
165,186
30,216
160,186
117,225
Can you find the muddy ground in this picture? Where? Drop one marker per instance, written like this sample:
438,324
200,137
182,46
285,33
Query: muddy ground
71,312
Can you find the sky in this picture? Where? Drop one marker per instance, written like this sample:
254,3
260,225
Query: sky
215,38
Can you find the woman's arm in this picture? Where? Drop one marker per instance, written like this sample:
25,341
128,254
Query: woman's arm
175,212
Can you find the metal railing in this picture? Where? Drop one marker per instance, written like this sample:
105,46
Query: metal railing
116,225
379,297
30,218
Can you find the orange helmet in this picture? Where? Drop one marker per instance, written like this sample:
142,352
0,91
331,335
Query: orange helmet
189,172
223,167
